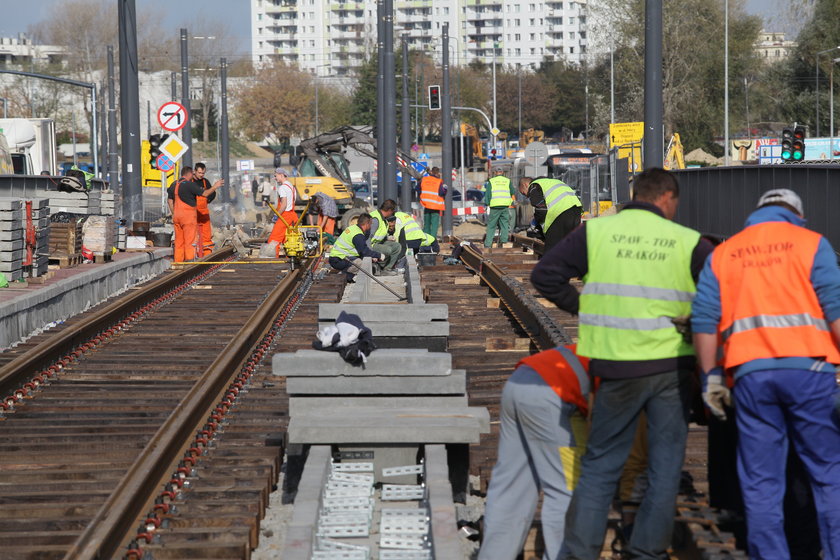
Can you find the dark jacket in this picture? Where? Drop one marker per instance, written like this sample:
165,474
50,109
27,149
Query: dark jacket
569,259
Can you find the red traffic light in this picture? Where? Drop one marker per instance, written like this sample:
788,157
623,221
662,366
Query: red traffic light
434,97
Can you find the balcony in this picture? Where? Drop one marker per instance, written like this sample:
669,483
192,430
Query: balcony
287,6
346,6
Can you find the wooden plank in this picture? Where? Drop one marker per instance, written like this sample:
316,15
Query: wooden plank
506,344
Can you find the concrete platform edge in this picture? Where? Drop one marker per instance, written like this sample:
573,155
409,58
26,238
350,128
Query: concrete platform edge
24,315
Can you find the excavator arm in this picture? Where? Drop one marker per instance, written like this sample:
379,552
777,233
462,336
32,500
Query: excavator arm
320,149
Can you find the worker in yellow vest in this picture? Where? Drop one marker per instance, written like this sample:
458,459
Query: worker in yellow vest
557,209
498,192
639,270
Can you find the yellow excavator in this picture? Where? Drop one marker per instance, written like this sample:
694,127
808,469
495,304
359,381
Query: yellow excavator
324,168
674,158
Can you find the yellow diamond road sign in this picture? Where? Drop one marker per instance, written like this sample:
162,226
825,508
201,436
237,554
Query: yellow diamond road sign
174,147
494,131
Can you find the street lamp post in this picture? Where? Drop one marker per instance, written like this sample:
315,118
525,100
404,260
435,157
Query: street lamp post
316,81
817,86
495,142
831,110
726,82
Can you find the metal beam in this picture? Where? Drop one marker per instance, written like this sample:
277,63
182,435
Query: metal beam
446,136
130,113
653,143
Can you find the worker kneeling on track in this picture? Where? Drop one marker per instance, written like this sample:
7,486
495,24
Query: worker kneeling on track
381,226
411,236
771,296
351,247
542,439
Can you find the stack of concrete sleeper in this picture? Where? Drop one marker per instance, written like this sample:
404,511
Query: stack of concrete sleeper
12,243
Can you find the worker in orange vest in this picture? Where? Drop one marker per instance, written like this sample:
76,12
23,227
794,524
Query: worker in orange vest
432,191
182,201
544,407
286,196
205,228
770,296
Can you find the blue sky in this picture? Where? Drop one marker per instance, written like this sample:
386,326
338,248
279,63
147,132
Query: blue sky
174,14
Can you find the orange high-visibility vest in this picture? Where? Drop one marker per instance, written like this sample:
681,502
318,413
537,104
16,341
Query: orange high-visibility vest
429,189
565,373
769,308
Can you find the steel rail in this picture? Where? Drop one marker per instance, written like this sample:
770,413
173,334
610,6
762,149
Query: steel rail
527,311
533,243
18,371
111,529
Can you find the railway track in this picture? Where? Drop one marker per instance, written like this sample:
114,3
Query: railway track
108,423
167,392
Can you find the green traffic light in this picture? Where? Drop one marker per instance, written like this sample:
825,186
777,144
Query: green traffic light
786,154
798,155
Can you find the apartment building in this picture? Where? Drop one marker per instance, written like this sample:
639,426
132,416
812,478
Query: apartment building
772,46
19,53
334,37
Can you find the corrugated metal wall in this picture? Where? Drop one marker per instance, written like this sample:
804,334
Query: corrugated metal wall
717,200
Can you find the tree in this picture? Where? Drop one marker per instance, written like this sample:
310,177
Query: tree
276,104
692,64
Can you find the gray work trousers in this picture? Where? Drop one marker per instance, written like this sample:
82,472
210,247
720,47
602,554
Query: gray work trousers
540,446
391,250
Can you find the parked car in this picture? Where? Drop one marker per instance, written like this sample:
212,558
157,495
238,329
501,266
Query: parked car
473,195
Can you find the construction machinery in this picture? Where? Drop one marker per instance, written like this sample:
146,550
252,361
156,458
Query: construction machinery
530,135
301,241
471,132
323,168
674,154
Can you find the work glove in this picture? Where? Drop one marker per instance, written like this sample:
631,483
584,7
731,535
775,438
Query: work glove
715,394
382,256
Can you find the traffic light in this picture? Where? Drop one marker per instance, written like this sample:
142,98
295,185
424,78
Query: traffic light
787,145
155,140
798,153
434,97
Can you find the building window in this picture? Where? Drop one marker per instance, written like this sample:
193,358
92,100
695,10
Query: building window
571,20
445,11
571,34
571,50
517,37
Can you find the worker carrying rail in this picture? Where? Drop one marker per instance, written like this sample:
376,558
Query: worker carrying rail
542,437
639,270
557,209
182,198
771,296
351,246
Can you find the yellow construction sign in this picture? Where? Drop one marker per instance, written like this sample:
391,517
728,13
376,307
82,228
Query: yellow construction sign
627,137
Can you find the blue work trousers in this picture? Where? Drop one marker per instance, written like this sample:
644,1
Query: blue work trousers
665,398
540,445
773,407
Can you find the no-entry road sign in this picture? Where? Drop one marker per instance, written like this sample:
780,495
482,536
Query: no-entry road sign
172,116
